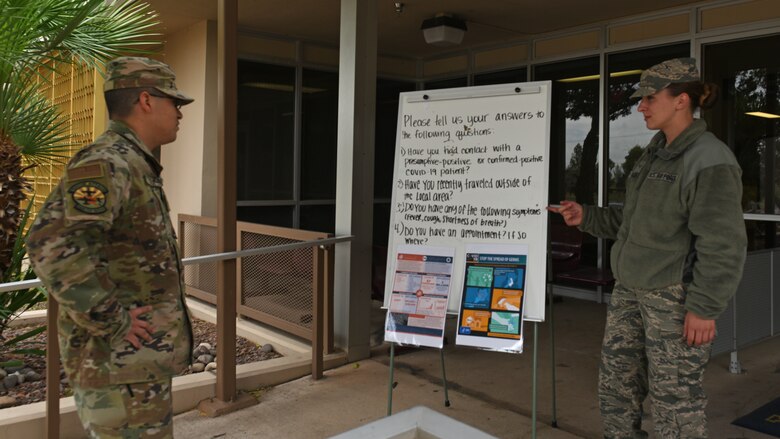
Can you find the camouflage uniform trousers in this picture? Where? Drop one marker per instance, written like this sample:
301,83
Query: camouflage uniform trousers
644,339
127,411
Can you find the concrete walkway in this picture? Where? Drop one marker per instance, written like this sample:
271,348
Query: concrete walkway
349,397
488,390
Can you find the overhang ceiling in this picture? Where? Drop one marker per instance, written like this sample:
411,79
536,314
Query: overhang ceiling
488,21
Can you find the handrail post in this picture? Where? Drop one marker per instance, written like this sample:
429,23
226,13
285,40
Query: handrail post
227,90
52,371
317,311
328,323
227,96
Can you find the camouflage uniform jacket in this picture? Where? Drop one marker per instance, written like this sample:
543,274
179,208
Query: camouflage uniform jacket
102,244
681,222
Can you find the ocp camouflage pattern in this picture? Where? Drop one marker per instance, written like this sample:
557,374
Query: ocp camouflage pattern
105,251
139,72
127,411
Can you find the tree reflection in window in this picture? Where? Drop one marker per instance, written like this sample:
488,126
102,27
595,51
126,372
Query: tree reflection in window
755,96
627,132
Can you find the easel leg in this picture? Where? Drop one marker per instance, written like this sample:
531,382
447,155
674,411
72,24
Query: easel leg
444,380
390,383
533,381
552,356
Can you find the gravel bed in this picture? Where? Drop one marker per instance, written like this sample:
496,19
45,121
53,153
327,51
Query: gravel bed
35,391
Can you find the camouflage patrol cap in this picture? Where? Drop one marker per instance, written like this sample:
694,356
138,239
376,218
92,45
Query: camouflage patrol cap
134,71
661,75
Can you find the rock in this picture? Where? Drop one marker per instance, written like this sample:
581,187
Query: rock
19,377
25,370
65,381
213,352
205,359
11,381
32,376
198,367
3,373
267,348
211,366
6,401
2,388
202,349
12,369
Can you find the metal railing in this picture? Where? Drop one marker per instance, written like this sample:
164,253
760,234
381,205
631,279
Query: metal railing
281,288
319,247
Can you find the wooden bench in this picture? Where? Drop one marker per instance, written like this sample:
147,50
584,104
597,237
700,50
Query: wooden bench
588,275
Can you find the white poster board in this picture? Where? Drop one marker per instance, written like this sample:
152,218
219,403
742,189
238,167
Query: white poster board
471,167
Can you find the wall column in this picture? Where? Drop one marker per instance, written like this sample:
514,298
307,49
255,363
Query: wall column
355,176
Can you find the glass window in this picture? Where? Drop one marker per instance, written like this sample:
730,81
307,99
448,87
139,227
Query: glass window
627,133
266,100
319,124
387,92
446,83
281,216
574,129
574,145
501,77
746,118
319,218
387,98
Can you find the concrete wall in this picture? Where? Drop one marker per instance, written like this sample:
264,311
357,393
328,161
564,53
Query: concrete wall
209,187
188,163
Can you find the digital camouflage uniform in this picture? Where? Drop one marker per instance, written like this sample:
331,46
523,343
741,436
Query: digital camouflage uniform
679,246
103,244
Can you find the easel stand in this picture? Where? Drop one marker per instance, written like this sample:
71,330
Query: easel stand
391,383
554,422
550,298
534,392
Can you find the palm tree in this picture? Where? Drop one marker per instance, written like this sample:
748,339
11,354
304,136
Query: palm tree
37,36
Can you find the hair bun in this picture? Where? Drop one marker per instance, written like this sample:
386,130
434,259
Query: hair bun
708,96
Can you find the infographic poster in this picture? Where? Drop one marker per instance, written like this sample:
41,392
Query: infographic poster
421,288
491,308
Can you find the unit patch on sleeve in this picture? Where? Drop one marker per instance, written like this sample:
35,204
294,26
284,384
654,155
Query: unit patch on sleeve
88,196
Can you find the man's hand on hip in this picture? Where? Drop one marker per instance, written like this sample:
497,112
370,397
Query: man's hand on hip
139,329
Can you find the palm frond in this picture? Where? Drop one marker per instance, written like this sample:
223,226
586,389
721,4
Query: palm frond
92,31
39,36
32,122
25,336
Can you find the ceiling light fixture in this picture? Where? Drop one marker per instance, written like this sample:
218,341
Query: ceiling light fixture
443,30
592,77
763,114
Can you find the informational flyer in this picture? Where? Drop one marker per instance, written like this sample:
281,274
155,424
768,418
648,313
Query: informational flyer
421,287
491,309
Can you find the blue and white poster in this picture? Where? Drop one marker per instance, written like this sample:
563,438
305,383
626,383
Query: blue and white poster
491,310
